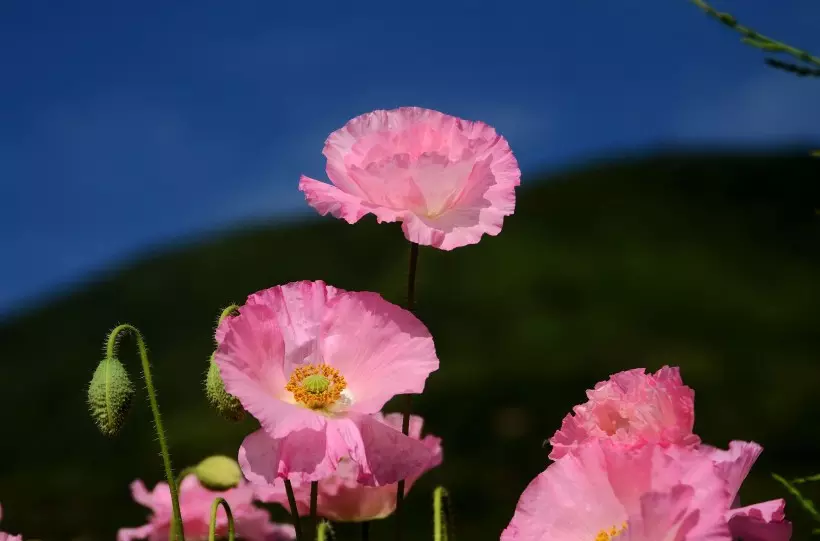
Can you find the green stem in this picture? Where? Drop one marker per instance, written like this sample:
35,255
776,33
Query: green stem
442,521
212,527
294,511
755,38
152,399
408,402
314,500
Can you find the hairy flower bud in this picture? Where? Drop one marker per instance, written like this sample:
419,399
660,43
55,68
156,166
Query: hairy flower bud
109,395
227,405
218,472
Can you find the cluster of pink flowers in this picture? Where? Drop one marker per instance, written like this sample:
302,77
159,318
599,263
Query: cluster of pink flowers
315,365
628,466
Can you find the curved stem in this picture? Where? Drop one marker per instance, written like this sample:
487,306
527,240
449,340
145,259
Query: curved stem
755,38
212,527
110,349
408,402
294,511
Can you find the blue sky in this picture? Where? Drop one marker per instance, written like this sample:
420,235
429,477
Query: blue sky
130,125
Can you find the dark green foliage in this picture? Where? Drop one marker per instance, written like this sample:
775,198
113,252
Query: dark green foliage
710,263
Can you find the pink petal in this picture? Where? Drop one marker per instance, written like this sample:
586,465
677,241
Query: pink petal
251,362
674,516
134,534
141,494
734,465
761,522
298,309
571,499
341,498
384,455
381,350
301,456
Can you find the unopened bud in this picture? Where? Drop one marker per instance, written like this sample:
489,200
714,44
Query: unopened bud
109,395
226,404
218,472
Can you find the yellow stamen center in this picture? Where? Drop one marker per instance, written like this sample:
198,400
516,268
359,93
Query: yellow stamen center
316,386
611,533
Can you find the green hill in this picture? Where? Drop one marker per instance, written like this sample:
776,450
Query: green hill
707,262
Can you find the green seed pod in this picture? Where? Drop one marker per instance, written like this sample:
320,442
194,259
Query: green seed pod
110,395
218,472
227,405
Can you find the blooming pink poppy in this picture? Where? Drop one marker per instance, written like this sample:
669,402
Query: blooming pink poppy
251,522
632,408
760,522
312,363
341,498
601,491
448,180
7,536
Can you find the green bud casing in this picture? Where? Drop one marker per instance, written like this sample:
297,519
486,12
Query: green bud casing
227,405
110,395
218,472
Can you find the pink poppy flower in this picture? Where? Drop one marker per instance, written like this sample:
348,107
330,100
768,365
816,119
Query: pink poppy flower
341,498
448,180
632,408
251,522
312,363
760,522
7,536
600,492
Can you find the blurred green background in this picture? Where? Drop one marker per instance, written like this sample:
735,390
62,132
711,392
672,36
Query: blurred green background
706,261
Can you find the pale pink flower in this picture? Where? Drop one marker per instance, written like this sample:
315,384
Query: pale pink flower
601,491
341,498
7,536
252,523
760,522
312,363
632,408
448,180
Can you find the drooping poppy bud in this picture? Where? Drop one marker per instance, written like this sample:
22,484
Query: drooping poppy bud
110,395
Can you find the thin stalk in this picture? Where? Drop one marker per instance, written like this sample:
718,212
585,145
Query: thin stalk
294,511
110,349
408,402
314,500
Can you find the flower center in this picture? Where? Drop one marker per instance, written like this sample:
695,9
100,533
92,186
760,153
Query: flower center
611,533
316,386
